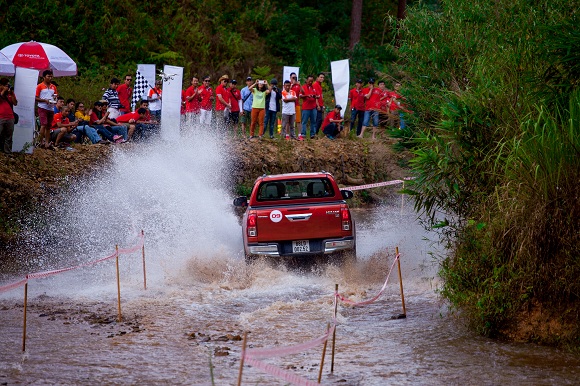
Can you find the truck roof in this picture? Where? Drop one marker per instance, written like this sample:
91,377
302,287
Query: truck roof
278,177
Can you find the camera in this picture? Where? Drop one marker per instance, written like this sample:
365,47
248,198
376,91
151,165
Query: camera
261,82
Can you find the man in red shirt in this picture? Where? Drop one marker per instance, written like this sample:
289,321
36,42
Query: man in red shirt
372,107
295,86
319,101
124,90
46,94
235,98
222,102
357,106
192,101
61,127
205,91
332,125
137,123
309,103
7,100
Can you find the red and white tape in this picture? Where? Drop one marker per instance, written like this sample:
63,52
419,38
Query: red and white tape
369,301
377,184
40,275
279,373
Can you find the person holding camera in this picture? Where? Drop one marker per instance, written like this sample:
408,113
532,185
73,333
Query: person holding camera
258,105
7,101
273,99
309,98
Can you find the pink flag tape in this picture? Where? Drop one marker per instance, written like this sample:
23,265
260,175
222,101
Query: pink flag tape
377,185
279,373
278,352
11,286
39,275
365,302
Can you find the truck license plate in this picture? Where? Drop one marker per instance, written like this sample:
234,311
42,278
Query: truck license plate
300,246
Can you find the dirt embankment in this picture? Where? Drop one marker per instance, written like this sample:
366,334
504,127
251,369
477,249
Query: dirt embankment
27,180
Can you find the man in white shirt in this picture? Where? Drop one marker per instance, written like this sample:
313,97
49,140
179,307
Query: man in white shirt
289,99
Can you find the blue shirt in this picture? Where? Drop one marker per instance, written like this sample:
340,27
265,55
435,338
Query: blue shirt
247,105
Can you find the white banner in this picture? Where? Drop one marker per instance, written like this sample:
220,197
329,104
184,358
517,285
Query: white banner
287,71
25,82
340,81
171,102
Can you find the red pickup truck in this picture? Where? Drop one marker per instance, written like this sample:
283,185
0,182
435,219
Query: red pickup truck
297,214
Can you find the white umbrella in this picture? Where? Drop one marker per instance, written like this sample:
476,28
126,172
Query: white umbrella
6,66
40,56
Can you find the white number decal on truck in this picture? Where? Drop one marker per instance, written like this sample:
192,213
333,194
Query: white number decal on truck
276,216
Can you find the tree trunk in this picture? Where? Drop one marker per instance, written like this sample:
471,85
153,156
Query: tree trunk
355,22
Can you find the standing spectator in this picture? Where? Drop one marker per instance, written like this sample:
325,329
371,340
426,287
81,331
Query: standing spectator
236,103
332,125
295,86
308,96
45,96
247,100
357,106
372,107
112,98
289,99
155,101
273,99
7,101
319,101
258,105
125,90
207,97
192,102
222,102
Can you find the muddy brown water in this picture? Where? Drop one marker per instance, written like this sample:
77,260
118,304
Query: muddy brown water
196,309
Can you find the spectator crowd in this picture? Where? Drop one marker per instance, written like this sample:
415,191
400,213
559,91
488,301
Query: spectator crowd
259,109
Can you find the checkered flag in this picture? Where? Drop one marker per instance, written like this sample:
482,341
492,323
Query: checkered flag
141,88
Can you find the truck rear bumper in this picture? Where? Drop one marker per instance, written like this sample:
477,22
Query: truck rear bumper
326,246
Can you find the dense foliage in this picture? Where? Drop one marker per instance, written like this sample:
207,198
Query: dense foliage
495,89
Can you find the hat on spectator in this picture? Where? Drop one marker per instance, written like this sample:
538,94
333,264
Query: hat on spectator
338,107
234,81
104,102
274,81
359,81
249,78
97,103
371,80
224,77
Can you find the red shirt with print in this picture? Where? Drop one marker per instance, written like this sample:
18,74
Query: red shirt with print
58,118
125,118
374,102
235,96
357,99
225,94
296,88
308,102
206,93
193,105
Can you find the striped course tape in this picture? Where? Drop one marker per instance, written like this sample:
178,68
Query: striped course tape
43,274
377,184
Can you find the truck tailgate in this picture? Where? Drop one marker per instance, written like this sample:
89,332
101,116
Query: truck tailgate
294,222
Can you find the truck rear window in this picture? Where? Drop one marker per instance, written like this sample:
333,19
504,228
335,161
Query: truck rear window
295,189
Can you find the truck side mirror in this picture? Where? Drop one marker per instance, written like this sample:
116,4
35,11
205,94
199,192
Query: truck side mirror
241,201
346,194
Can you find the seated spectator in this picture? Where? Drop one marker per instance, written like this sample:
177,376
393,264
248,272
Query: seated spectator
59,103
106,127
137,123
61,131
82,128
332,125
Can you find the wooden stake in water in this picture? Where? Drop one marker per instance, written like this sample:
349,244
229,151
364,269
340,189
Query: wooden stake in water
242,359
403,198
401,284
143,252
120,318
334,332
323,354
24,323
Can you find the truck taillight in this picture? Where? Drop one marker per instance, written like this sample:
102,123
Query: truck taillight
345,214
252,221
